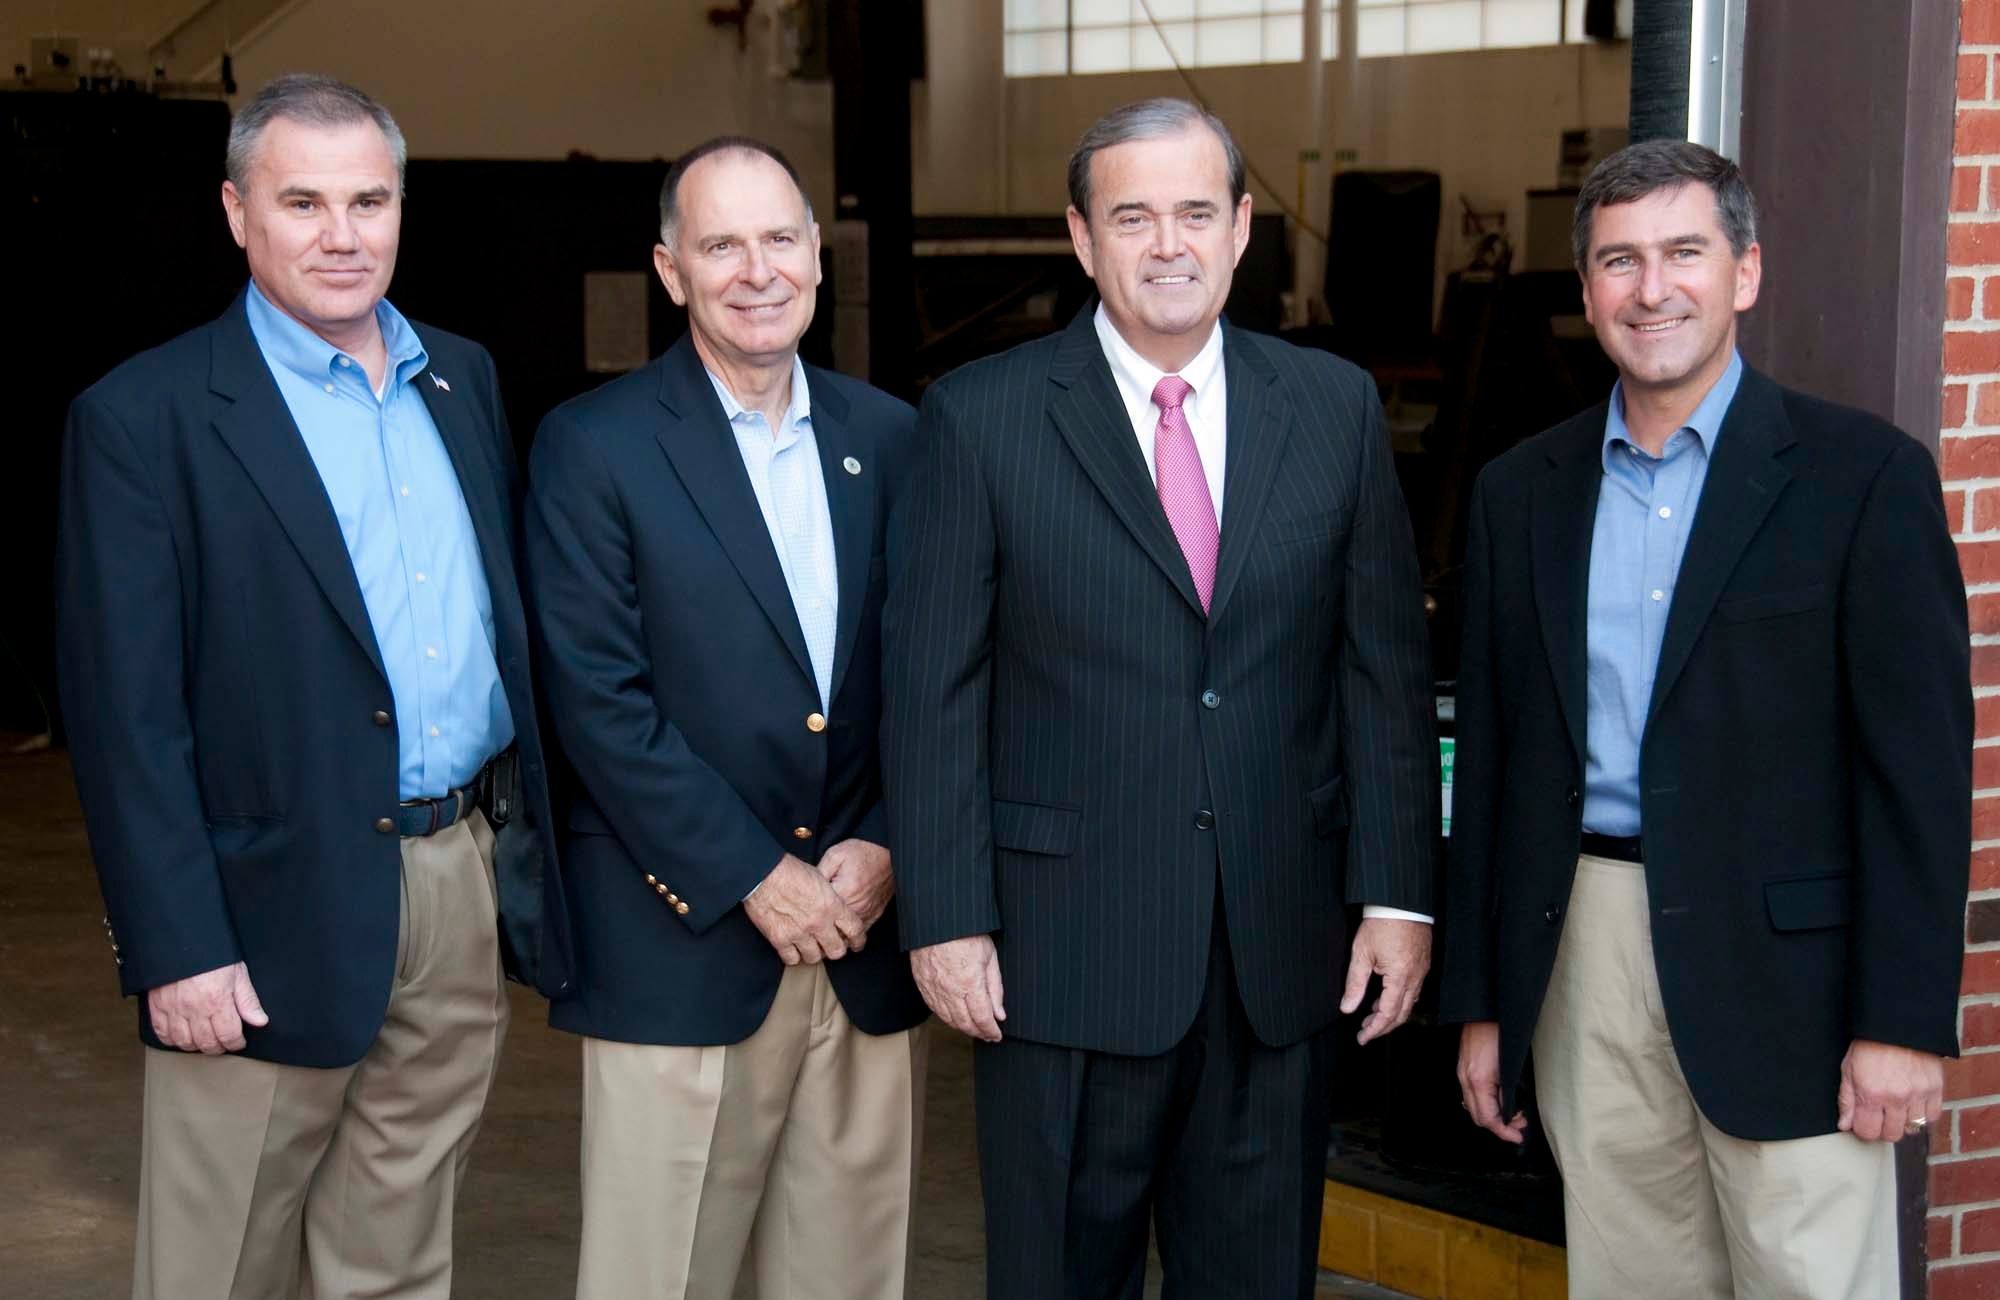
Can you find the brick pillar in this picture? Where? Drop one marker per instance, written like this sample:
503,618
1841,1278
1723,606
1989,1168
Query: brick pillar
1963,1236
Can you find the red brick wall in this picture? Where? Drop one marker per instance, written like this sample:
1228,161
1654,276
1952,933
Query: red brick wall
1964,1224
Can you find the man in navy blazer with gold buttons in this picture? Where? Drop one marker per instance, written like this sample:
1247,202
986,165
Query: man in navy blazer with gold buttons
296,681
704,547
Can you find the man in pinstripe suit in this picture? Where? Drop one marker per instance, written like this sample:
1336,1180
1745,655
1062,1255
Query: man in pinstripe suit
1158,718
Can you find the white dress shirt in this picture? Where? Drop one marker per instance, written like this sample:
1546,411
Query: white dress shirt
1206,408
786,475
1207,412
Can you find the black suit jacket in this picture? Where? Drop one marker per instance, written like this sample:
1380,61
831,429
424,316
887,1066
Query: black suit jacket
1805,773
679,681
221,684
1073,748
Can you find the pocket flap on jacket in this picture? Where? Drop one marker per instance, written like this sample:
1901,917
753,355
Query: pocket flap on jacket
1329,805
1770,604
1034,827
1808,902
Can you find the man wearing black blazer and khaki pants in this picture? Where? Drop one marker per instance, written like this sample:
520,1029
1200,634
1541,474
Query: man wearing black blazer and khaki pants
1159,716
1713,791
295,673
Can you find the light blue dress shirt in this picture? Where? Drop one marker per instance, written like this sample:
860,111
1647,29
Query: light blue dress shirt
1645,507
396,494
786,475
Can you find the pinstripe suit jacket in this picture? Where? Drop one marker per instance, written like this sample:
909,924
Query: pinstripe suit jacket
1060,713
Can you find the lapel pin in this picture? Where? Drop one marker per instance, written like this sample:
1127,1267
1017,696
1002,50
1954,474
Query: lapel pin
851,465
438,379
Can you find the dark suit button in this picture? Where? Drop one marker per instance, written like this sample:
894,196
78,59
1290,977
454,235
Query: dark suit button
381,718
1572,796
1204,820
1210,700
1553,915
385,824
802,832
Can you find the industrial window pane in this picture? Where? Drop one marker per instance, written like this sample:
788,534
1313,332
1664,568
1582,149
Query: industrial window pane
1027,15
1522,22
1037,54
1227,42
1284,38
1101,49
1453,25
1099,13
1120,35
1378,32
1149,52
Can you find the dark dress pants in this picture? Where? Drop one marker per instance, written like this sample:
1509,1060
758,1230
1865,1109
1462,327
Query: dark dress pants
1220,1141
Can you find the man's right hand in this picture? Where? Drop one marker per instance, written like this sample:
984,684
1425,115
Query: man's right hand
802,917
960,980
1479,1081
206,1012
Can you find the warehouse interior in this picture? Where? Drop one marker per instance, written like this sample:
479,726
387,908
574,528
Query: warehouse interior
1411,197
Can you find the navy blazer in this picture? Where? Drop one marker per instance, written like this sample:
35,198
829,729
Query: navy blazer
679,682
1076,752
1805,772
224,693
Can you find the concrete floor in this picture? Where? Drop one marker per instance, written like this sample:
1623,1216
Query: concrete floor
70,1083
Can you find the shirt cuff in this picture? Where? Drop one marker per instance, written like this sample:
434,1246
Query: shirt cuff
1375,911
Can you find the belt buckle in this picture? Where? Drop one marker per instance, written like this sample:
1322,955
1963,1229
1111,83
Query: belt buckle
430,806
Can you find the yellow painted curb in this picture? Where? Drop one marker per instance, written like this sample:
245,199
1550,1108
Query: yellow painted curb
1430,1255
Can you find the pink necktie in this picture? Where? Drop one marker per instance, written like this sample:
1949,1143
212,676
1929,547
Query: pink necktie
1183,486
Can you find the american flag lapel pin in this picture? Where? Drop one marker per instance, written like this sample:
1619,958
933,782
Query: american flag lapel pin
438,379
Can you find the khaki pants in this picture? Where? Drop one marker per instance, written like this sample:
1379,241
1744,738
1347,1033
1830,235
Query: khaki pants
796,1147
1658,1201
260,1180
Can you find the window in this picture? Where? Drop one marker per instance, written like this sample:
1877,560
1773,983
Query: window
1052,37
1046,37
1387,27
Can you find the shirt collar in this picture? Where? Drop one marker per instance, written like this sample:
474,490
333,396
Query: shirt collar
797,410
1137,377
285,342
1706,422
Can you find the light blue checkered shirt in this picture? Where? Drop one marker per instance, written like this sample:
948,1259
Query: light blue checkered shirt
1645,509
785,473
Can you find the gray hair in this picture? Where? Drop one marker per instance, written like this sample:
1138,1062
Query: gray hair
1149,119
670,189
310,100
1646,168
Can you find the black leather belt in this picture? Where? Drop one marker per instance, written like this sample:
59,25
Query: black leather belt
420,817
1619,848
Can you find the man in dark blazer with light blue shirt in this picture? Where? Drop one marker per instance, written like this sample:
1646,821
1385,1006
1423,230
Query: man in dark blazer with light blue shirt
1163,770
705,549
295,670
1713,784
